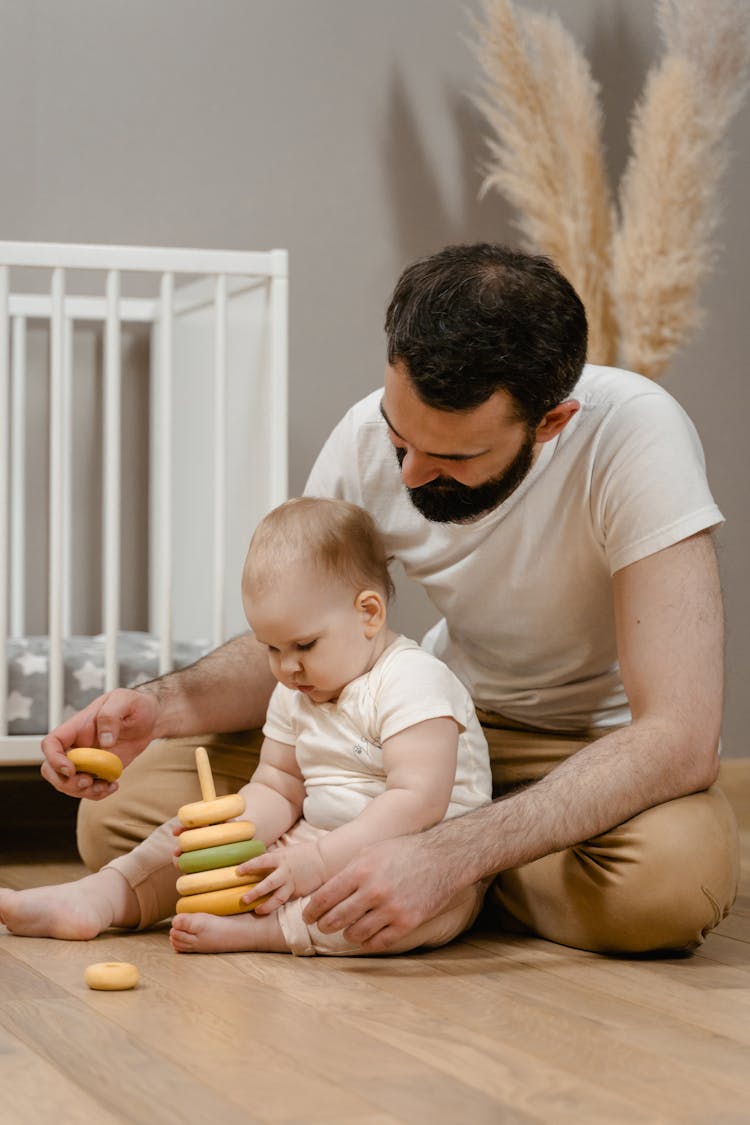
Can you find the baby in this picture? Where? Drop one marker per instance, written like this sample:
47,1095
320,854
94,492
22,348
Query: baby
367,736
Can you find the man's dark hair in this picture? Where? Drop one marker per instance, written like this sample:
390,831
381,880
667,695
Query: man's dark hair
471,320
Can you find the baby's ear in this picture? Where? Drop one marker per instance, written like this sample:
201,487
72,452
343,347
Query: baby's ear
371,607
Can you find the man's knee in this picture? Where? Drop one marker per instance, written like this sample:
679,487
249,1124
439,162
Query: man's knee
680,882
660,882
98,834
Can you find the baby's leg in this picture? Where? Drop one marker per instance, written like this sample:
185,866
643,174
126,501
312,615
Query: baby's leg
75,911
137,889
236,933
285,931
306,940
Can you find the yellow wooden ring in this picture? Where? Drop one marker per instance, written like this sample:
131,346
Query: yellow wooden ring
201,813
228,901
99,763
231,832
201,881
111,976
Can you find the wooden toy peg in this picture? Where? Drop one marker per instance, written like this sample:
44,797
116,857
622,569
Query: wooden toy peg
205,777
212,809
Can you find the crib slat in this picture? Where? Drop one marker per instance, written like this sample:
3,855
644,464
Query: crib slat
164,470
278,370
67,484
112,478
18,480
4,482
56,497
220,457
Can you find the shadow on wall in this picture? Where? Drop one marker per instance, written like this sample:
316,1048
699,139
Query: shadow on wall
619,63
423,219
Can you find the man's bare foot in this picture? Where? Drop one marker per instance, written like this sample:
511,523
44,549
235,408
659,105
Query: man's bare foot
73,911
235,933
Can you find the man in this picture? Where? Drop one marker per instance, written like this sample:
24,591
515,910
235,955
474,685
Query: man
559,518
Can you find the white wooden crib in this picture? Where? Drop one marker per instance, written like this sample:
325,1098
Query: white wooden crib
143,406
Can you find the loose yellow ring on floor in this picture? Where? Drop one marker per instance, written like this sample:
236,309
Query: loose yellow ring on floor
111,976
214,834
228,901
100,763
201,813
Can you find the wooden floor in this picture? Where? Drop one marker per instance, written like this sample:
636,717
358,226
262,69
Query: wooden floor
492,1029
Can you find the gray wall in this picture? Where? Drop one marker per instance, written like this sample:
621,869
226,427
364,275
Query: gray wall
341,130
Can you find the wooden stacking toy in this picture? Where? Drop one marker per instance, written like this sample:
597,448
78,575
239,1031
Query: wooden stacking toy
212,847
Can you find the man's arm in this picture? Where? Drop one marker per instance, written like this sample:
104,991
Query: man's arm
670,641
227,690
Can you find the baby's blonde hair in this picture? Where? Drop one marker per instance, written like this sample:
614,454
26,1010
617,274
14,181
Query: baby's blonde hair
332,537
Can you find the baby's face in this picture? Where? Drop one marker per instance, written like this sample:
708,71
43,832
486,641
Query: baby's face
317,636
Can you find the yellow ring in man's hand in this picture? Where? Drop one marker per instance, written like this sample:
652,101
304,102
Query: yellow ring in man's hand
100,763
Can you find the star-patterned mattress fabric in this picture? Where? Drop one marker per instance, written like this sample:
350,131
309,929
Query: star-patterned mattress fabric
84,658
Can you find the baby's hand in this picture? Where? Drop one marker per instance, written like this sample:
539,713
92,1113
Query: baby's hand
293,871
177,831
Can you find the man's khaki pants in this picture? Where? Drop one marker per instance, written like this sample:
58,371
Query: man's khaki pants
659,882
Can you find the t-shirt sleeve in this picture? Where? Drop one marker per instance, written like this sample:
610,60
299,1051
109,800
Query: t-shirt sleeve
415,687
333,472
279,723
650,488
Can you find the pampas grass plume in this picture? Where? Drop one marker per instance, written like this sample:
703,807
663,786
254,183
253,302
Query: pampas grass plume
639,273
664,247
661,249
546,157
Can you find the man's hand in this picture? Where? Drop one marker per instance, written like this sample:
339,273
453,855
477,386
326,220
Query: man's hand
295,870
385,892
121,721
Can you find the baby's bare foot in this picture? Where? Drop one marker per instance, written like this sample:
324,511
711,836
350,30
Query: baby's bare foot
235,933
72,911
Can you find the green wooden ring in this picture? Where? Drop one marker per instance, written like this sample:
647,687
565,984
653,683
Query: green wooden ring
223,855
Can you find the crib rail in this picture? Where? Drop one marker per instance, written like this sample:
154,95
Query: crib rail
144,259
199,294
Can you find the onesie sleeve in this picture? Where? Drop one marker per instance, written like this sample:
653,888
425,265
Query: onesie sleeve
649,487
279,723
415,686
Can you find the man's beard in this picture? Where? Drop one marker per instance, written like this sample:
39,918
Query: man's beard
447,501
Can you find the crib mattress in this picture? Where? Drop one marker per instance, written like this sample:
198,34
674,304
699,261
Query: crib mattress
84,660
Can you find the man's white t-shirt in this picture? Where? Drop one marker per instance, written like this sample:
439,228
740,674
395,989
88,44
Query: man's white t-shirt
525,592
339,745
